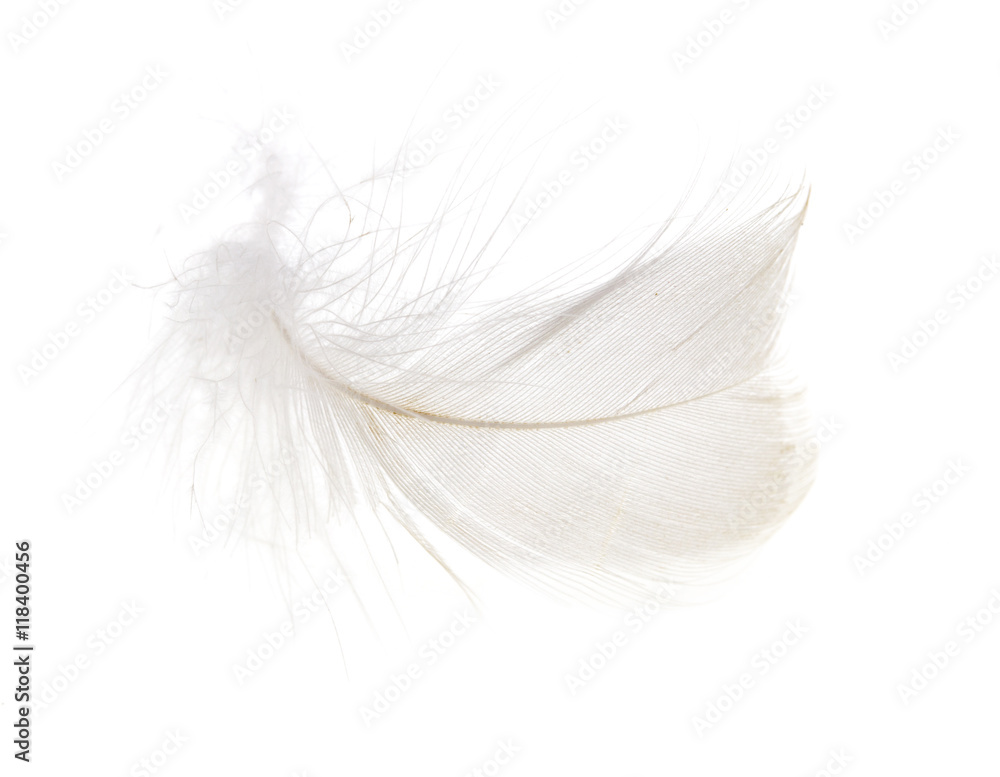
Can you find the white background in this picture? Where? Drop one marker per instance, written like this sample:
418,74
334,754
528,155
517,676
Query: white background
892,90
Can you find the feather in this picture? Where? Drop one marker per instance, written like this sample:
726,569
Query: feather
595,438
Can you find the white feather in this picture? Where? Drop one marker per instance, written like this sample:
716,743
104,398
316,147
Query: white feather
592,438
